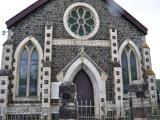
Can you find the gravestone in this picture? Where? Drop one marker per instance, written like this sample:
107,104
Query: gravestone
68,104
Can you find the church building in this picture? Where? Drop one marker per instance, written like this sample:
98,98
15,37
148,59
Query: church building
94,44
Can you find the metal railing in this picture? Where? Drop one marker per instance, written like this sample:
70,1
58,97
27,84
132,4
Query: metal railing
131,113
86,111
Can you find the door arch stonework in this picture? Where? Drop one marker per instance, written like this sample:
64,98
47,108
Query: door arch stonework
97,82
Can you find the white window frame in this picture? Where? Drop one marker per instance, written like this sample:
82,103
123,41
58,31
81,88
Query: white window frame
16,72
29,52
128,53
138,56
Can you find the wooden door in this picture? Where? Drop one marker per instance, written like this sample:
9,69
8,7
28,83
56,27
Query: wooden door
85,96
84,87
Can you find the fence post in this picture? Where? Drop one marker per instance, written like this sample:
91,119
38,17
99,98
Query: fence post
131,109
104,111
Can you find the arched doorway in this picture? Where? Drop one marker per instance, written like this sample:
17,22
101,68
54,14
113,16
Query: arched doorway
95,78
85,94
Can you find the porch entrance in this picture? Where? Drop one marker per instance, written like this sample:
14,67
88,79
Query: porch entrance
85,96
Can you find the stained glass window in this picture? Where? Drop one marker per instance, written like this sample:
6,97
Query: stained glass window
133,66
23,73
125,72
129,68
81,21
28,71
33,73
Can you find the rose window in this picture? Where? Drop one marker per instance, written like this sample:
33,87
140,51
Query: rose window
81,21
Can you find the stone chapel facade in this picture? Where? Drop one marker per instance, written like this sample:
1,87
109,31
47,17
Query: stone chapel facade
53,41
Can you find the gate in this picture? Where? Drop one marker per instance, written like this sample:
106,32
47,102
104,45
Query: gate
85,96
86,110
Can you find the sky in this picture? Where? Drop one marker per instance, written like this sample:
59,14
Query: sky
145,11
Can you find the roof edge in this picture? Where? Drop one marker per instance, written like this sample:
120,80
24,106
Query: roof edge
25,12
145,45
39,3
150,72
128,16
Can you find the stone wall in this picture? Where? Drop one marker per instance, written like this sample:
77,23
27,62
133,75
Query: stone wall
100,55
52,14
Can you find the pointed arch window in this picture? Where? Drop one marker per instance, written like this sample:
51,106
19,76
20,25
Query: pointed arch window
125,71
129,67
28,71
133,66
23,73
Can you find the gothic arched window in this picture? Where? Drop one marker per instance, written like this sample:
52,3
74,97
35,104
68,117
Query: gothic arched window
133,66
28,71
129,68
23,73
125,71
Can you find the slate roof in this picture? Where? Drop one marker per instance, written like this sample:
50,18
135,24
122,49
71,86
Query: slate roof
145,45
150,72
40,3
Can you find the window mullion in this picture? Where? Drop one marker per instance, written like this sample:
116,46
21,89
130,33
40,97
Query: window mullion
129,67
28,73
137,67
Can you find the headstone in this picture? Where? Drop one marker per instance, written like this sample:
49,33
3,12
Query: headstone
68,104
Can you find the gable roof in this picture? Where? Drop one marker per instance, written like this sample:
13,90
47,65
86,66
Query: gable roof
40,3
25,12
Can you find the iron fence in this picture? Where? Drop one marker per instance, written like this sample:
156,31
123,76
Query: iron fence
85,112
132,113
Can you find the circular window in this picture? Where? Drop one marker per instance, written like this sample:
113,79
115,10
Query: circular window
81,21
